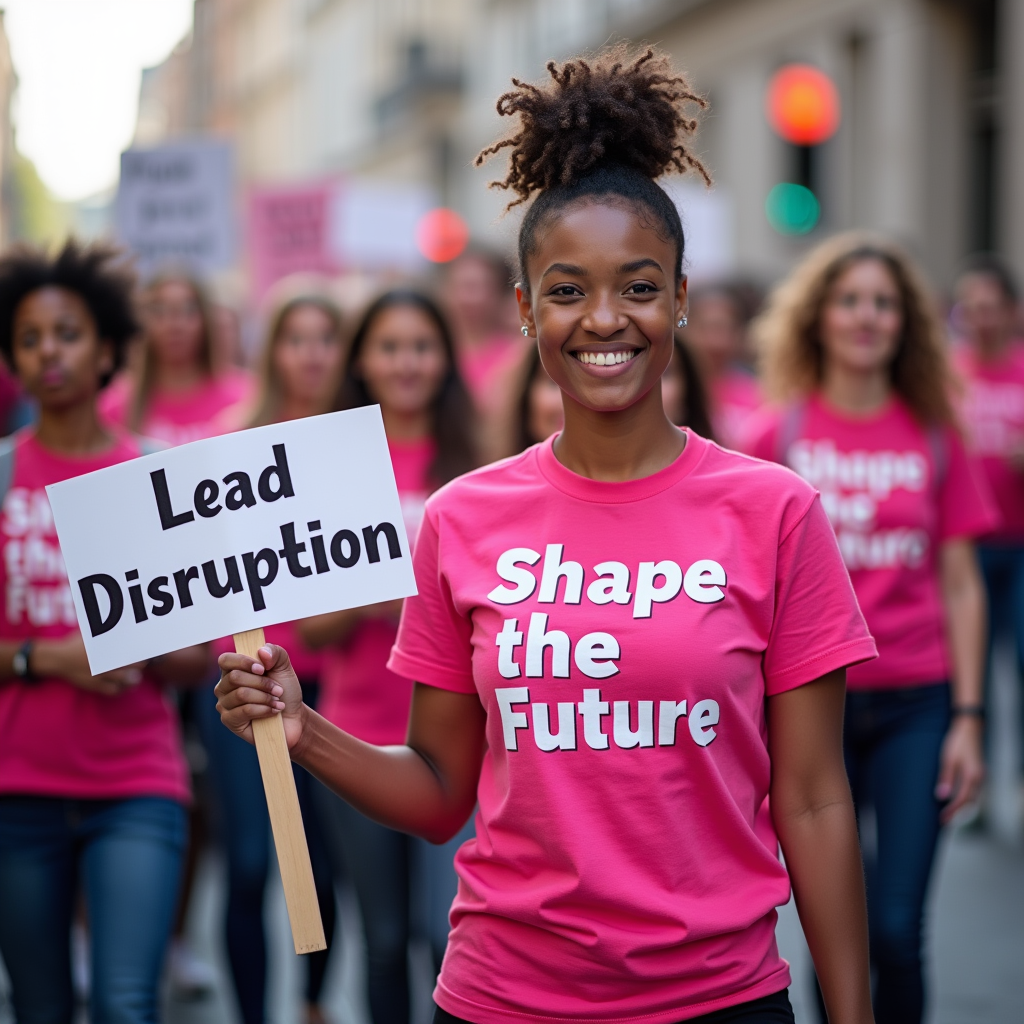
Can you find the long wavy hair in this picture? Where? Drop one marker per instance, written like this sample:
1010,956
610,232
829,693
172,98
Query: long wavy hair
452,416
788,332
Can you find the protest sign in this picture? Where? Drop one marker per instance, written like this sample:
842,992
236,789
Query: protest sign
225,536
175,205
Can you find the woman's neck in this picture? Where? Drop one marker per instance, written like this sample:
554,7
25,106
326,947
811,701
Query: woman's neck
76,430
401,426
178,378
614,447
856,392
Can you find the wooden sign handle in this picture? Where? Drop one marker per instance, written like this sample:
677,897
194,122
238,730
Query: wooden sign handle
285,819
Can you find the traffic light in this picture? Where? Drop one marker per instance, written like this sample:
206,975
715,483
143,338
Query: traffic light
802,105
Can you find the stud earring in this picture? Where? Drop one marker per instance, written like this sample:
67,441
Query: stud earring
525,330
681,322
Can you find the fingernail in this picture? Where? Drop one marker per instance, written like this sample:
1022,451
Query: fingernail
277,690
279,705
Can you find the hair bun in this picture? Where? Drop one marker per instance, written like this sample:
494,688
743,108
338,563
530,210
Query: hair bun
594,114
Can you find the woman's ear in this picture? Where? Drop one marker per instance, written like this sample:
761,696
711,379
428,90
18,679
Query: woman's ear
529,328
682,298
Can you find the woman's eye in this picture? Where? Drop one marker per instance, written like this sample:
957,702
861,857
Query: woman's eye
641,288
886,304
68,333
566,291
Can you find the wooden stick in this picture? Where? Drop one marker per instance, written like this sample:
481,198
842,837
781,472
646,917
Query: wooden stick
285,819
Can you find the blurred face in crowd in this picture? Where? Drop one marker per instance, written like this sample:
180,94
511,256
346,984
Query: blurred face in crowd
987,314
307,356
862,318
544,415
475,296
602,302
715,331
673,390
56,350
403,362
174,324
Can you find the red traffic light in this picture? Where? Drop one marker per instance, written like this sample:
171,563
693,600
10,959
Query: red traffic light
803,104
441,235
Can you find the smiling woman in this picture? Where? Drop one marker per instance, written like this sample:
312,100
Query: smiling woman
619,872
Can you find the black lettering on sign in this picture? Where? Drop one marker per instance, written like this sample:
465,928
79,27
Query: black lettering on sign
182,579
98,622
163,598
213,583
291,551
206,494
370,535
354,550
135,592
253,577
284,480
240,493
168,519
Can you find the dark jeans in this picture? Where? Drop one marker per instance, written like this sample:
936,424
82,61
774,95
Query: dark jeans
892,741
1003,568
238,789
394,875
773,1009
127,856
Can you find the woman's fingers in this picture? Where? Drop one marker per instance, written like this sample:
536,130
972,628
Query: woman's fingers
231,661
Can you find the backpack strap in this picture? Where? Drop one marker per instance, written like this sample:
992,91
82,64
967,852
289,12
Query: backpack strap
7,449
790,428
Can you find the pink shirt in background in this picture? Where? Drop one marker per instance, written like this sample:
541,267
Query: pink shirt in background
892,507
734,396
486,369
622,638
993,415
360,694
57,739
178,417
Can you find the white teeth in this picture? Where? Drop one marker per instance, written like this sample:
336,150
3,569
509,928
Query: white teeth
600,359
604,359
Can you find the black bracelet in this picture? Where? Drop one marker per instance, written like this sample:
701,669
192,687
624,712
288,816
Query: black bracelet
21,664
971,710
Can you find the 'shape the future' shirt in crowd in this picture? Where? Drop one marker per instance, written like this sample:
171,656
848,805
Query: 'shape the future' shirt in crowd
622,638
360,693
57,739
894,492
993,413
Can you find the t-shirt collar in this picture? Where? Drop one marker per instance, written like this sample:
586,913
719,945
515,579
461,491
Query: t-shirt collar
618,492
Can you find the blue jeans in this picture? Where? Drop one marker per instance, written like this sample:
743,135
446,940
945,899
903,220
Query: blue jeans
892,741
391,873
127,855
1002,565
237,784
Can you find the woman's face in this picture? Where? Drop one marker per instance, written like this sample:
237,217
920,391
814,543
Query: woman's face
603,301
307,356
403,362
174,324
673,390
544,415
988,316
715,332
56,350
862,318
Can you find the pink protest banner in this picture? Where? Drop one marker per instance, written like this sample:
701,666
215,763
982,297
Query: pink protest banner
288,232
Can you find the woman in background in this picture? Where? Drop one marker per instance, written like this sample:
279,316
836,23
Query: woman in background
852,343
299,373
402,358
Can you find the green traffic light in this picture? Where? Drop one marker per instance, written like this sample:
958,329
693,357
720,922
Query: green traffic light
792,209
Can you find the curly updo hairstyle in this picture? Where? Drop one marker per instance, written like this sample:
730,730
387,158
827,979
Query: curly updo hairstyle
602,128
97,273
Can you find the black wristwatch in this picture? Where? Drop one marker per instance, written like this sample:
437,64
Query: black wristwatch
21,663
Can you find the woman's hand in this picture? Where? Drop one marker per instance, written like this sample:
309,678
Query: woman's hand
250,689
66,659
961,766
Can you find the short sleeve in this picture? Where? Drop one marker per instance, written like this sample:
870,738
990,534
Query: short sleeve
434,640
966,505
818,626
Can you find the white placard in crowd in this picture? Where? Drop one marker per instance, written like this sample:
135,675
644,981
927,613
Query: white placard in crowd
223,535
175,205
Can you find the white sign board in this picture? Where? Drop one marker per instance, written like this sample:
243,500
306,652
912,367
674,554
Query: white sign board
223,535
175,205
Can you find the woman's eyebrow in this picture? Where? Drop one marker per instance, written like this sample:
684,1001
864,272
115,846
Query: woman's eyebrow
629,268
564,268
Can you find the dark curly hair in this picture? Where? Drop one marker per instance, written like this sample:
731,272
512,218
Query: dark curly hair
453,416
97,273
604,127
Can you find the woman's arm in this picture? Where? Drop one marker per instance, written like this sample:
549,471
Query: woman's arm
962,767
185,668
66,659
427,787
814,818
335,627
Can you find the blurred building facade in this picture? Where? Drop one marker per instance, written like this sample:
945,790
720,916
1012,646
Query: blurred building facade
8,190
930,147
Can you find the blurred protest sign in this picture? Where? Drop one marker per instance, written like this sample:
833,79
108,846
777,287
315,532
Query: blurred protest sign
175,205
374,224
225,536
289,232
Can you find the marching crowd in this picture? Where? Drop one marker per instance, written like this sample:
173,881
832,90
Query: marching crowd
608,417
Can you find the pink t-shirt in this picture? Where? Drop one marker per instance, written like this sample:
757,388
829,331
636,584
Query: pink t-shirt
993,414
892,507
57,739
487,369
734,396
178,417
625,866
360,694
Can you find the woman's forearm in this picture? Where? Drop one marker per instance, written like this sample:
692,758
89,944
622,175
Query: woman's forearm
963,595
